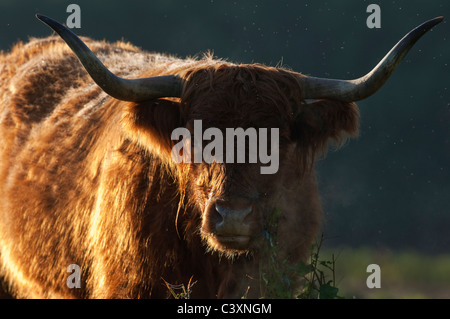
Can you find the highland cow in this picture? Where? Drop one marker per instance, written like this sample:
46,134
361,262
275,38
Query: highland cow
87,177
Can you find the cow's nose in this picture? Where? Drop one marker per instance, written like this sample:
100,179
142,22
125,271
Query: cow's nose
232,220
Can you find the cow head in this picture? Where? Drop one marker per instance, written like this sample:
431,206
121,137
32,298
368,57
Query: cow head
235,200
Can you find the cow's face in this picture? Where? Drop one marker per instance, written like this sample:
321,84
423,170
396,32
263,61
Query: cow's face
274,136
238,190
235,200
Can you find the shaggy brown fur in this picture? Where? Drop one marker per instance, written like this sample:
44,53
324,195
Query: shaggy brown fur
86,179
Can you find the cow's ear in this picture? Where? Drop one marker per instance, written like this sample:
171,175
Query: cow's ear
323,120
150,123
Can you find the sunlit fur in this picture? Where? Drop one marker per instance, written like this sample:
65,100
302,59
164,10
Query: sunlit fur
86,179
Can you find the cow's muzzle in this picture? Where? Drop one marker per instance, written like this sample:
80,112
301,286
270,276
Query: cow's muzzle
229,225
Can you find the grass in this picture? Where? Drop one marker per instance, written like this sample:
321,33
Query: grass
404,274
180,291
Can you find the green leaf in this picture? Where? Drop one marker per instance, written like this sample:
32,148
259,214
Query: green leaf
302,269
328,292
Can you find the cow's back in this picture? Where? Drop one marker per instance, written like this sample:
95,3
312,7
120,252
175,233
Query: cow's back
57,130
42,82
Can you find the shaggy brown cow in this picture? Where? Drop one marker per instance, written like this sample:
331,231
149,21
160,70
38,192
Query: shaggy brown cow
87,177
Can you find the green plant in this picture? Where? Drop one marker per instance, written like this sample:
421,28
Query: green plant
275,275
316,275
279,277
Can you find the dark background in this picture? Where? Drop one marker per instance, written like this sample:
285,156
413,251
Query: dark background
387,189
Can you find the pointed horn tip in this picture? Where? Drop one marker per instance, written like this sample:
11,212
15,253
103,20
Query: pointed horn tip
433,22
427,25
437,20
40,16
43,18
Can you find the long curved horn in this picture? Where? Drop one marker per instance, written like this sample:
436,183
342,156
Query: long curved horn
119,88
363,87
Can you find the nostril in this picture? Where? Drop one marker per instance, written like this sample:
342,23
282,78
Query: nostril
216,217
